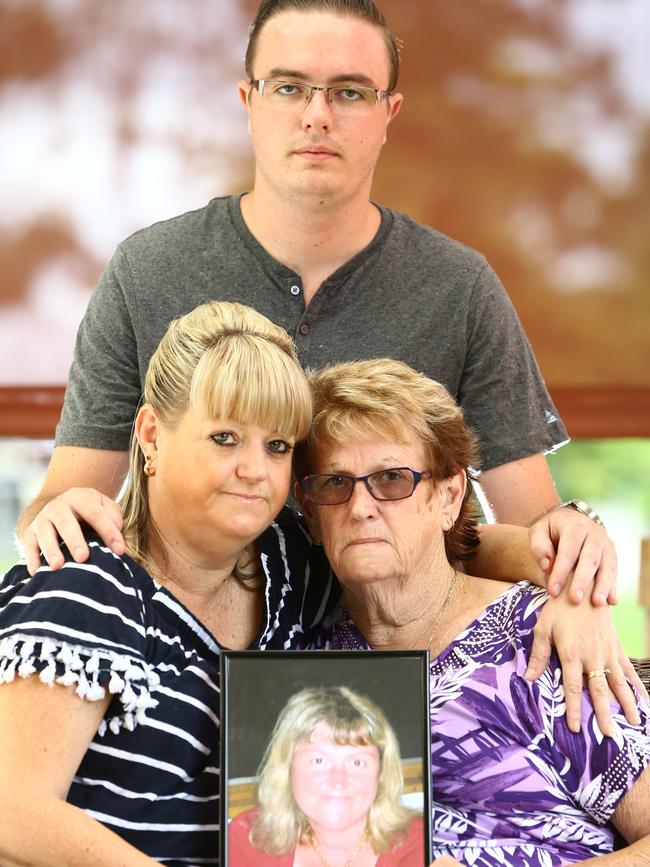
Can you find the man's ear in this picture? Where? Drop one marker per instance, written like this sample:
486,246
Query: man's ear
311,514
396,101
394,106
244,89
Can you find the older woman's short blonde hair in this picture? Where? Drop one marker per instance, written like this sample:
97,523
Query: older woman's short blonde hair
231,362
351,719
385,399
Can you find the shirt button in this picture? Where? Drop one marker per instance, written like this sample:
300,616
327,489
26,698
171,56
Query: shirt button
295,290
304,328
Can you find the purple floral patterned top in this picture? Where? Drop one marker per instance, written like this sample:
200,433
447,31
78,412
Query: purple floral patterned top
511,784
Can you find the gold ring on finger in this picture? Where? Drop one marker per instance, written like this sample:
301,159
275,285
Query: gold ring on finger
599,672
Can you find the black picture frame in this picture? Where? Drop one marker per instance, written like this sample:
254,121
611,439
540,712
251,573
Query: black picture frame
255,687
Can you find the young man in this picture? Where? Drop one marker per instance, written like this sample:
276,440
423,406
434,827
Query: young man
307,247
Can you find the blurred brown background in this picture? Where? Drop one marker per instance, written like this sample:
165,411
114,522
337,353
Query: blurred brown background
525,133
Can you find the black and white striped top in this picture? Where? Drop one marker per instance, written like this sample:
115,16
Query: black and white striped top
151,773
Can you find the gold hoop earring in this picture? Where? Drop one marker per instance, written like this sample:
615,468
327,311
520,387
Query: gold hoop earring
149,470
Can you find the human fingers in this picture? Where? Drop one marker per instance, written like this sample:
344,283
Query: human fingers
101,513
42,538
634,678
588,647
604,666
58,520
629,670
579,634
585,547
59,523
606,586
573,682
597,684
543,550
595,571
607,668
623,692
540,652
568,554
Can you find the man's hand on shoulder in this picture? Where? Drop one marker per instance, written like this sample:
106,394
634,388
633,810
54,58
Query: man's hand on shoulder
60,520
563,540
79,487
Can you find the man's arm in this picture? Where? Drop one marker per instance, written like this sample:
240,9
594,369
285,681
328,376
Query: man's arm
80,485
93,433
520,491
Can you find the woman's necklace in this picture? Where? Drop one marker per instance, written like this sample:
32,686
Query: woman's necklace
438,617
351,859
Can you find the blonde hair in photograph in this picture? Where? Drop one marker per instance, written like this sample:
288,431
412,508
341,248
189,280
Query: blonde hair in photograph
231,362
351,719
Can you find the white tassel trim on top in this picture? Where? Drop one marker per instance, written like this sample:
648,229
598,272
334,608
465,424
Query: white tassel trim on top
59,662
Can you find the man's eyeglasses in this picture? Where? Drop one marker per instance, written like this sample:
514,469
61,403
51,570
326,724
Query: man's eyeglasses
330,489
345,99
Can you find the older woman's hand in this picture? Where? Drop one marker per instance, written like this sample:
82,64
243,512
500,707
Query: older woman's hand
563,540
445,861
59,521
585,640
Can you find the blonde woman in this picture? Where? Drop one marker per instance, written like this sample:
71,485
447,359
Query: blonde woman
129,775
329,790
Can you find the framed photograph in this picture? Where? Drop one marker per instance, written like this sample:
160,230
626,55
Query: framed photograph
325,758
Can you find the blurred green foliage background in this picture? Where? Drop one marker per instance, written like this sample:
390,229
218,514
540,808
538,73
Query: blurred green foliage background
613,476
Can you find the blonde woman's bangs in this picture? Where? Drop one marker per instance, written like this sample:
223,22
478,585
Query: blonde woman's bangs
354,732
250,380
344,728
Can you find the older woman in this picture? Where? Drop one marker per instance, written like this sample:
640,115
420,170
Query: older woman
329,790
384,488
130,775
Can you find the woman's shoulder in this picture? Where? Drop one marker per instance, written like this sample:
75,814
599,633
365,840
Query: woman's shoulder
508,608
95,606
102,574
242,823
241,853
515,606
501,631
410,850
101,561
82,625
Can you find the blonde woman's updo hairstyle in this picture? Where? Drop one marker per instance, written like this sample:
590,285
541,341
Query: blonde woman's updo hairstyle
231,362
388,400
351,719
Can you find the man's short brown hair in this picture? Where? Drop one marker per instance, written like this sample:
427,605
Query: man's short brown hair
364,9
